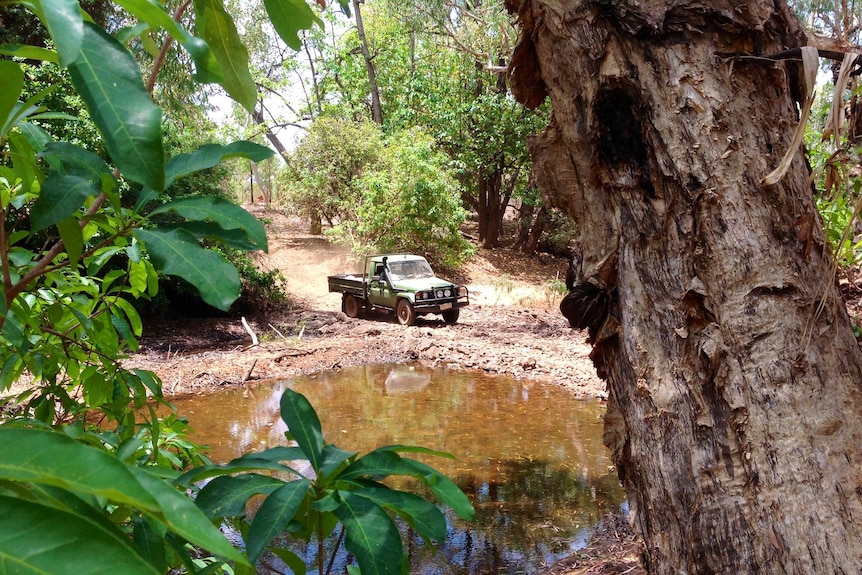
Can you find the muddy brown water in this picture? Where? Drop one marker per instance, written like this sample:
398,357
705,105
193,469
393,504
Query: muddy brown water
529,456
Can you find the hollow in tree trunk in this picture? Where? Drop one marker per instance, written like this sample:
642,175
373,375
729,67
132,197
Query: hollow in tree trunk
733,374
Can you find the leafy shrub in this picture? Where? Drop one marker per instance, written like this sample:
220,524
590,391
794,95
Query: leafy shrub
411,204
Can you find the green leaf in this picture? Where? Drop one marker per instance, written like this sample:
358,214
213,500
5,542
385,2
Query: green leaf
54,459
237,238
216,26
61,196
74,160
64,22
289,17
210,155
292,560
371,536
304,426
109,80
274,514
333,459
184,518
381,463
446,491
38,540
178,253
24,161
426,518
73,239
207,68
268,459
11,83
29,52
223,212
226,496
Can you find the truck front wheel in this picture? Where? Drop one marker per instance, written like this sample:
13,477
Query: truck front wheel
350,305
451,315
405,313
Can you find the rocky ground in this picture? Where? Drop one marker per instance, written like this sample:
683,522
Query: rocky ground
512,326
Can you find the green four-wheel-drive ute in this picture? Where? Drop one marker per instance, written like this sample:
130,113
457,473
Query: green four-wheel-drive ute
402,284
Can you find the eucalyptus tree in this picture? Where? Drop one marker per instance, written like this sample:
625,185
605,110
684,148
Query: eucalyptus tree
733,373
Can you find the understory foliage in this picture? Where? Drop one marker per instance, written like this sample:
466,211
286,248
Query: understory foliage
90,474
380,194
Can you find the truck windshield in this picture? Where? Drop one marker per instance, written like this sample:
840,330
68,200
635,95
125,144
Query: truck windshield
412,269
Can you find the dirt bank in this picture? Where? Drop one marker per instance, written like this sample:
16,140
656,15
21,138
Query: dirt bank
512,326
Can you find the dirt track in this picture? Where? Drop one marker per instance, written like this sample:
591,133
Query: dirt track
512,326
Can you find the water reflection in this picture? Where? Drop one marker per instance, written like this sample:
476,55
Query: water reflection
529,456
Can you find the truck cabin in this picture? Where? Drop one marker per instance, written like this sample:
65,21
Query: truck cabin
404,269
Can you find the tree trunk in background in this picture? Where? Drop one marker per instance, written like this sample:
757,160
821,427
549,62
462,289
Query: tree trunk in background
733,375
376,108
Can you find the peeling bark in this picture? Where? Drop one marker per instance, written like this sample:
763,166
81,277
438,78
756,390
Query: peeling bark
733,375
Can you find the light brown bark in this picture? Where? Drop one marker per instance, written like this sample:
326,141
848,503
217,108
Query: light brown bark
376,106
733,375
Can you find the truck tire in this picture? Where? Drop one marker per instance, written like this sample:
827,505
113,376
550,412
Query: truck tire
451,315
405,313
350,305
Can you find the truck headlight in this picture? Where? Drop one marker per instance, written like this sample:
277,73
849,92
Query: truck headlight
440,293
448,292
462,290
420,295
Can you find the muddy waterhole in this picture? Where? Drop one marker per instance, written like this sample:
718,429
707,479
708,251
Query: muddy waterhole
528,455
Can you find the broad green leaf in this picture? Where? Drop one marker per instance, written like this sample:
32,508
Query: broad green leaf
226,496
109,80
65,23
131,314
216,26
75,161
61,196
288,17
225,213
274,514
371,536
29,52
73,239
184,518
150,543
210,155
379,464
269,459
426,518
53,459
238,239
24,161
292,560
304,425
154,14
415,449
11,83
333,459
446,491
178,253
40,540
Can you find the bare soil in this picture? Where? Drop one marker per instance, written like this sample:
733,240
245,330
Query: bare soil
513,326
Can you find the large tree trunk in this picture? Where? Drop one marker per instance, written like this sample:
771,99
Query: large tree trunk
733,375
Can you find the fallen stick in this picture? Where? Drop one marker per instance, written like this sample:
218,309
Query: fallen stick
251,333
276,331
